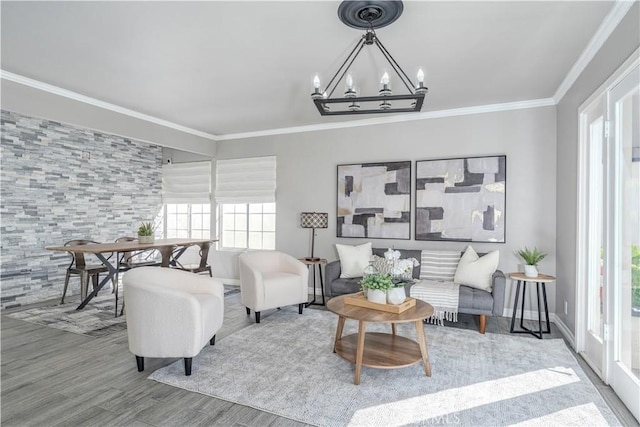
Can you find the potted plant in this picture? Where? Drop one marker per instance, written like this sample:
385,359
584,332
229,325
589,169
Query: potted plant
375,286
531,258
397,294
145,232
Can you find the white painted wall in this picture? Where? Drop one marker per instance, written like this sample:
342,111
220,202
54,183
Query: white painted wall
620,44
306,177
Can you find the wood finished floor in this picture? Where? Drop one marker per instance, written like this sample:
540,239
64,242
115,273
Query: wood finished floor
57,378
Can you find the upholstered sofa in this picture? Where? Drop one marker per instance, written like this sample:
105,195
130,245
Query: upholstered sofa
472,300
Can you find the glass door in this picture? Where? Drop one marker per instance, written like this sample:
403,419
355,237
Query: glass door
622,237
592,204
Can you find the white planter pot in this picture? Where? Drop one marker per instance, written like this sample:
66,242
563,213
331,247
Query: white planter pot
396,296
145,239
531,271
375,295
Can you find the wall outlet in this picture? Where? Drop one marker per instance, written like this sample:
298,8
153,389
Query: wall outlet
566,308
86,155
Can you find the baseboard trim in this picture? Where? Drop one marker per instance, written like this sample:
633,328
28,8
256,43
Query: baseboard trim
529,315
566,333
318,291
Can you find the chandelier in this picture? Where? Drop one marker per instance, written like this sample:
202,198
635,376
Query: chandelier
369,15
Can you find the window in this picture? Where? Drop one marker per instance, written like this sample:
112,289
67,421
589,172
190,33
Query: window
248,225
188,221
186,192
246,196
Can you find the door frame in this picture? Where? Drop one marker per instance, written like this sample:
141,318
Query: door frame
623,382
582,225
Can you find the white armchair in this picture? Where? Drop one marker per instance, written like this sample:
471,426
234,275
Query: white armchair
171,313
270,279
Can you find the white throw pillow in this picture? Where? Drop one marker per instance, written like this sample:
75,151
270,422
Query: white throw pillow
477,272
353,259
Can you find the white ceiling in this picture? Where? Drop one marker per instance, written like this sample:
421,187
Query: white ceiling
230,67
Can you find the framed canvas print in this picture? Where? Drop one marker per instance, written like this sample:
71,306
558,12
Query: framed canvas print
374,200
461,199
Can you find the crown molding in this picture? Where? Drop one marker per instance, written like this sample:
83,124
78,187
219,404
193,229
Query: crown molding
608,25
518,105
480,109
26,81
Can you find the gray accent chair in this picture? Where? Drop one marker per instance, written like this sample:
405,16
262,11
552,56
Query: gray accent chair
472,301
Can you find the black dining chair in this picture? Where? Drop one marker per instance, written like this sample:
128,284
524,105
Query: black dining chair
197,268
79,267
132,259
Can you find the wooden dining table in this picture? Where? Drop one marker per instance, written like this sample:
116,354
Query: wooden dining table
170,249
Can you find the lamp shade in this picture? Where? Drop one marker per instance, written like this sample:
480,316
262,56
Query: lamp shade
314,220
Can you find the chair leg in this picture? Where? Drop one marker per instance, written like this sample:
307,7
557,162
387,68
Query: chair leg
248,311
140,362
257,317
209,268
212,341
96,278
66,285
187,365
84,285
483,323
300,307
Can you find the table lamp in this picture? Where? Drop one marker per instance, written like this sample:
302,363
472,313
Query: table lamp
314,220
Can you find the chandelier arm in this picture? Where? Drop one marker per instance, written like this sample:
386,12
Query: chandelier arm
345,70
360,44
394,64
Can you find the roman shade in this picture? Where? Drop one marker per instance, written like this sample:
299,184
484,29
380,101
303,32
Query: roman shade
248,180
186,182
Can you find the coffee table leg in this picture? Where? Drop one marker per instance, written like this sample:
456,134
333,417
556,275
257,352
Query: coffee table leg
339,331
422,342
393,328
359,351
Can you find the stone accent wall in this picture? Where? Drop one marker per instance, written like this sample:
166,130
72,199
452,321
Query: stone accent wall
60,182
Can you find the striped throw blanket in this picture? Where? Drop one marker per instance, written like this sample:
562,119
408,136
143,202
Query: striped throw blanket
443,296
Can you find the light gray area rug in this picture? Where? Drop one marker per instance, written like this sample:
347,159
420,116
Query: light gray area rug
285,366
95,320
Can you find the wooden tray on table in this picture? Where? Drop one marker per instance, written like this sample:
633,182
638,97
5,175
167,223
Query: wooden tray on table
361,301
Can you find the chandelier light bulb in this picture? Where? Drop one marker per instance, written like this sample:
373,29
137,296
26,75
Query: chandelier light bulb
349,82
316,88
350,91
385,91
420,88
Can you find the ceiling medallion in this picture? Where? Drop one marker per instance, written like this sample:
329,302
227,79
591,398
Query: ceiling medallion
369,15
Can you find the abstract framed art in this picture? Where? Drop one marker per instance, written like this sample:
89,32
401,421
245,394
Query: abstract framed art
374,200
461,199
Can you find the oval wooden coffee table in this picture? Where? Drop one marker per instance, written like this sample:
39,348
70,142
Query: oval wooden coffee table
380,350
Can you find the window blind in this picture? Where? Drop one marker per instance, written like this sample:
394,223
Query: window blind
186,182
249,180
